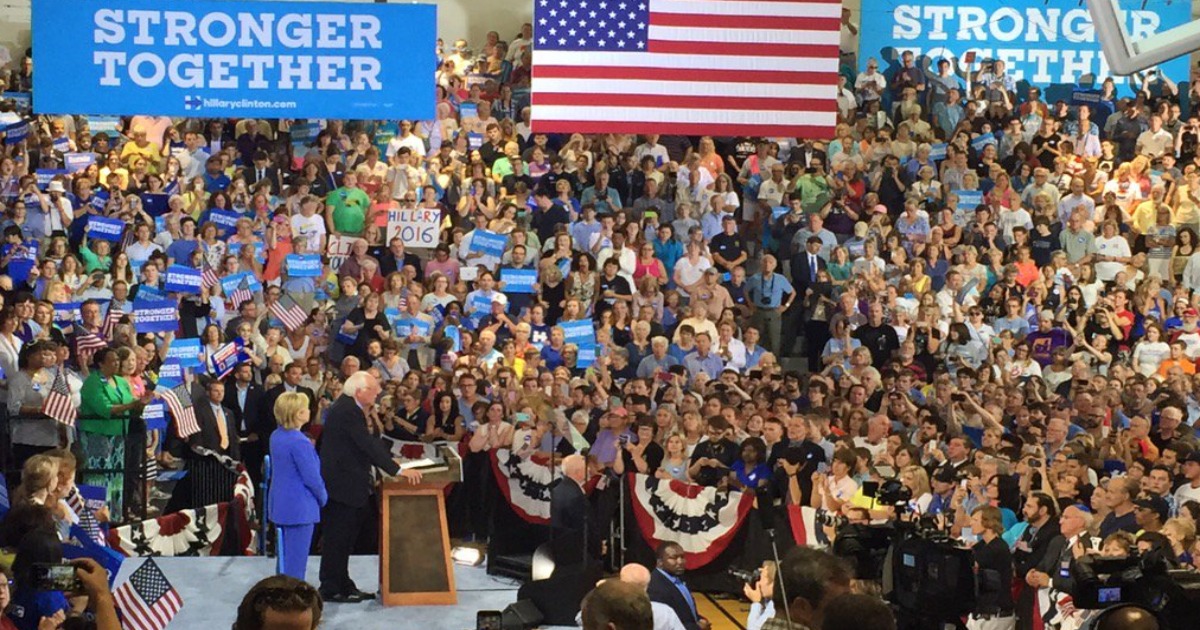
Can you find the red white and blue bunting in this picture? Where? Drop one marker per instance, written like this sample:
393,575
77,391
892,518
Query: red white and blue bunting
525,483
203,532
702,519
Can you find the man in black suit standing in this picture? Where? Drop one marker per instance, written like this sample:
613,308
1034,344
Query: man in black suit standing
804,265
348,454
291,383
244,399
1038,551
207,452
569,520
667,586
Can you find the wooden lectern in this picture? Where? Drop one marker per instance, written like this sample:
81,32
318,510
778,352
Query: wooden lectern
415,568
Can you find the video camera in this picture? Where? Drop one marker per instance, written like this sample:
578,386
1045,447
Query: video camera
1146,580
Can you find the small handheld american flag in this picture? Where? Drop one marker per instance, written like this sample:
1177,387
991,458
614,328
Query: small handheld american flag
179,402
110,322
86,346
147,600
208,277
241,294
58,403
289,312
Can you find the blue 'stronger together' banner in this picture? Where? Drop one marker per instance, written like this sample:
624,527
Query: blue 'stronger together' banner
221,59
1043,43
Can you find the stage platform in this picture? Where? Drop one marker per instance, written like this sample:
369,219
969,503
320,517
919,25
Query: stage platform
212,588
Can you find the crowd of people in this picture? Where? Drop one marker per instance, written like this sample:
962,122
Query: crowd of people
993,296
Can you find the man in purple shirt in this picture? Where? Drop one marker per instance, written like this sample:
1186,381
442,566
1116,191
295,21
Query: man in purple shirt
1046,339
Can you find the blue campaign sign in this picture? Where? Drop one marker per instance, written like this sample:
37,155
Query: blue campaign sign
153,316
969,199
146,292
100,201
518,280
186,351
225,219
1050,45
78,161
105,228
220,59
107,125
489,243
260,255
582,332
44,175
155,204
16,132
170,373
982,140
67,313
183,279
937,152
230,283
304,265
155,415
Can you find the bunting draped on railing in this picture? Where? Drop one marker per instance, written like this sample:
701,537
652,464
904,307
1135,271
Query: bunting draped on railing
702,519
214,530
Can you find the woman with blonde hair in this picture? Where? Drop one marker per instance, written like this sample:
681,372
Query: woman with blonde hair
39,480
297,491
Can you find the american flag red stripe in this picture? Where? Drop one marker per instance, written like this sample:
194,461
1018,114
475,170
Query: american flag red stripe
110,321
289,312
58,403
179,403
695,67
86,346
208,277
147,601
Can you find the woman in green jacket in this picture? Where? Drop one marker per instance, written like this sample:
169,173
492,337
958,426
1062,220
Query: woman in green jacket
108,441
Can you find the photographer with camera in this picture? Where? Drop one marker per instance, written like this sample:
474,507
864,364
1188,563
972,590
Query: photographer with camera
760,591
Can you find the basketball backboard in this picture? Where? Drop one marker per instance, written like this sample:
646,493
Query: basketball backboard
1126,55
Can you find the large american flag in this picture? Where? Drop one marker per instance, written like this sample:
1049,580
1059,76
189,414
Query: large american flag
691,67
147,601
179,403
58,403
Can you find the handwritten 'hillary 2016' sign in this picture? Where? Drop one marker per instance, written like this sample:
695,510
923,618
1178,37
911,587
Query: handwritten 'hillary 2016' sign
213,58
1042,43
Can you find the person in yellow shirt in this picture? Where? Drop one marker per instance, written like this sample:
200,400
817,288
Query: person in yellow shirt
1143,215
141,147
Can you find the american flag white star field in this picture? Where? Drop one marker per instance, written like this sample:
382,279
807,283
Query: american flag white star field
692,67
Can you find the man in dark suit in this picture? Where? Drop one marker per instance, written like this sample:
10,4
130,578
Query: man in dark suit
262,170
1036,552
569,516
244,398
396,258
804,265
291,383
667,586
348,454
207,453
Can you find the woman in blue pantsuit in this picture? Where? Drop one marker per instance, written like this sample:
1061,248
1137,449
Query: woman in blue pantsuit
297,490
